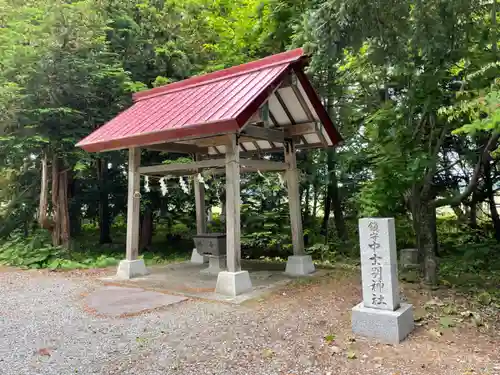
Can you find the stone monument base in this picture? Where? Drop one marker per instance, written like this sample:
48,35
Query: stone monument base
389,327
233,283
128,269
299,265
216,264
196,258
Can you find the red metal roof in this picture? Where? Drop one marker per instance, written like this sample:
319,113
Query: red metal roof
205,105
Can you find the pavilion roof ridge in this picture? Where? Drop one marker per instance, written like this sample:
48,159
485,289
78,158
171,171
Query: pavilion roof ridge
283,58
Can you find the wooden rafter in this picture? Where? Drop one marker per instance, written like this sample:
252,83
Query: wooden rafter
302,102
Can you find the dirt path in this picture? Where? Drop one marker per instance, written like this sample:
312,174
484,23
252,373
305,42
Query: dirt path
45,330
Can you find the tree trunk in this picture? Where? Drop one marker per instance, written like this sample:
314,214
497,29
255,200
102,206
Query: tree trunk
315,203
473,211
333,194
461,215
44,195
60,207
307,205
75,213
104,213
56,229
491,200
146,234
327,208
424,220
64,209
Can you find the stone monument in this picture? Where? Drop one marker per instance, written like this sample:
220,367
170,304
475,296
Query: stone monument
381,315
408,259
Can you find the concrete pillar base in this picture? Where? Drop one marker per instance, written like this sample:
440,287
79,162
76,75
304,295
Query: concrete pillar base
233,283
128,269
216,264
390,327
299,265
197,258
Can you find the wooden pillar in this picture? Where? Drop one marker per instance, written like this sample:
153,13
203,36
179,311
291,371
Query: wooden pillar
133,203
292,183
199,196
233,205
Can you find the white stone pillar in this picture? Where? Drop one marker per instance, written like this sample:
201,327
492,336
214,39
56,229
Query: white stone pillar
299,264
381,315
234,281
131,266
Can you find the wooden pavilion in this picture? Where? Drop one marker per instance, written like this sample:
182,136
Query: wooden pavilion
227,120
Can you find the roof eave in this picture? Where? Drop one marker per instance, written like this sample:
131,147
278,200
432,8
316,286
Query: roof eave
170,135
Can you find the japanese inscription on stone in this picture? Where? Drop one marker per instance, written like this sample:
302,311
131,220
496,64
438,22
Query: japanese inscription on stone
379,263
377,284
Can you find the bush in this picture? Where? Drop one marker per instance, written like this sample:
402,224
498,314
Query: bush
35,251
179,230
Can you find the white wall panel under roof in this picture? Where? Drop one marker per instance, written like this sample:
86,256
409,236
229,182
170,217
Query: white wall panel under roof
222,149
311,138
304,95
249,146
211,151
277,111
264,144
293,105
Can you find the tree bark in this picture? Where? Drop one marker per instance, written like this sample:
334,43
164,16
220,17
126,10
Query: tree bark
327,208
64,209
473,211
495,218
307,205
60,207
146,234
104,212
335,201
56,229
75,213
424,224
315,202
44,195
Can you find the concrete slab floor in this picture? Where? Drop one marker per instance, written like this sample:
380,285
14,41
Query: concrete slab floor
119,301
185,279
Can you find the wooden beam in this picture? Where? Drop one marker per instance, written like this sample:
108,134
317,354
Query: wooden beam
292,182
199,198
278,149
133,203
263,165
178,147
302,102
301,129
178,167
267,134
233,206
273,119
220,140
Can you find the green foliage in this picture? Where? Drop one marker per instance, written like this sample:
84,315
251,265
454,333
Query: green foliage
412,86
32,252
322,252
179,229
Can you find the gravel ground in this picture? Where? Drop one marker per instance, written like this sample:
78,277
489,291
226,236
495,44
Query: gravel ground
44,329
